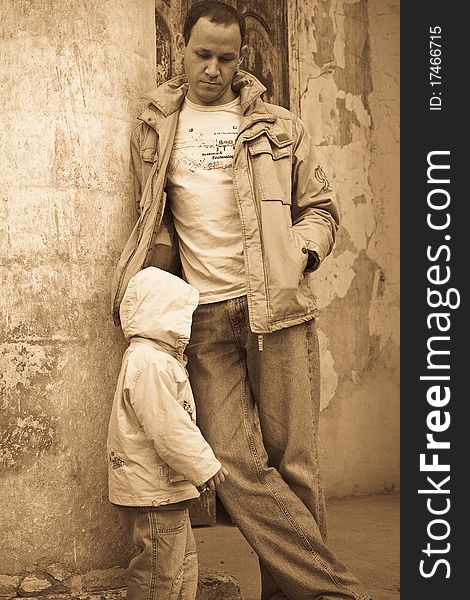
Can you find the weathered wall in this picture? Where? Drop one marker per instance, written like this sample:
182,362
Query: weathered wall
72,71
344,67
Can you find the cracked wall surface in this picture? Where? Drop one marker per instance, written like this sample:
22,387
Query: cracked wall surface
345,66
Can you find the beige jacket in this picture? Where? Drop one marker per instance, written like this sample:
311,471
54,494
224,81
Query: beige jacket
288,215
156,453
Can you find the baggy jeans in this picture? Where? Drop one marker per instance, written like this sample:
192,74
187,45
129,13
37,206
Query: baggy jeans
259,410
166,565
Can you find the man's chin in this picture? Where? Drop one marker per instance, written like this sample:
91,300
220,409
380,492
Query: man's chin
209,91
209,96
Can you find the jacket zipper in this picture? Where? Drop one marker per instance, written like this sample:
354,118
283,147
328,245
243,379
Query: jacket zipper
258,218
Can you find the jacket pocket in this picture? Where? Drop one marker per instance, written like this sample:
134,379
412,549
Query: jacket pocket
174,476
263,145
148,159
271,168
149,155
164,470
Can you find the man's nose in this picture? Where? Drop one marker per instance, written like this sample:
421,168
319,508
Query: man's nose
212,68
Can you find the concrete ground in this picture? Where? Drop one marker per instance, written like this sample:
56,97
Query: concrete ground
363,532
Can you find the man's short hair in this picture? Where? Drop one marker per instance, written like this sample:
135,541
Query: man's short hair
216,12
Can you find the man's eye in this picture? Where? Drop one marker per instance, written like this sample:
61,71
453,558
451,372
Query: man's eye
202,55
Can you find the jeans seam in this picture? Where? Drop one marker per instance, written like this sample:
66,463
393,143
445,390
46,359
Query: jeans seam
311,352
187,557
180,574
235,308
153,519
175,582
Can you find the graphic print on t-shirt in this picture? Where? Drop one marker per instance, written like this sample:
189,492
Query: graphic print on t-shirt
204,149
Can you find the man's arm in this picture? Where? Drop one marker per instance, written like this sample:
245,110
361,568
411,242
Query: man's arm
143,146
136,166
314,212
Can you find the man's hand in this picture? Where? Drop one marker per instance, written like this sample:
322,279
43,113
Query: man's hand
218,478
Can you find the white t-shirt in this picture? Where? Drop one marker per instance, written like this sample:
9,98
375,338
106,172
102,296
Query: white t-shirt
202,200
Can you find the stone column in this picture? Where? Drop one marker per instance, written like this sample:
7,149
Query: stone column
72,73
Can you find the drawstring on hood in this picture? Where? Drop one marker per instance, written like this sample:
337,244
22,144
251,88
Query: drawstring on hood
158,306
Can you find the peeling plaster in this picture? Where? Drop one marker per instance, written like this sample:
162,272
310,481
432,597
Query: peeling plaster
384,313
329,379
354,104
334,101
361,199
24,363
347,121
345,322
338,18
334,279
29,435
27,430
318,109
355,77
324,31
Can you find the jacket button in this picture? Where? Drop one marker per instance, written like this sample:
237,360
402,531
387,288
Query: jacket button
305,250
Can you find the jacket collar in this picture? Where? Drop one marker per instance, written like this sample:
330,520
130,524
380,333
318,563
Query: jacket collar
168,97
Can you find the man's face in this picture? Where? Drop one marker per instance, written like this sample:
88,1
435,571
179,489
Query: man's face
211,58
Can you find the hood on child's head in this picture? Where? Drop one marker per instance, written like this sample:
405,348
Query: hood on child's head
158,306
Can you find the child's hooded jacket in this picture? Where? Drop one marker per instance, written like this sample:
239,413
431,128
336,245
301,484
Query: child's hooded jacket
156,453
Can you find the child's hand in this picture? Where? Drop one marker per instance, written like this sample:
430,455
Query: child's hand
218,478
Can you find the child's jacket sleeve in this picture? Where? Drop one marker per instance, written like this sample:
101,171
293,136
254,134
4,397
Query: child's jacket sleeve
177,440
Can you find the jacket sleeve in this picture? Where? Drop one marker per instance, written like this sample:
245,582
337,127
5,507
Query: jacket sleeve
314,213
136,166
177,440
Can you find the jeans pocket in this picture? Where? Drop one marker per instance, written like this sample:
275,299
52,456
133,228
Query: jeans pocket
170,521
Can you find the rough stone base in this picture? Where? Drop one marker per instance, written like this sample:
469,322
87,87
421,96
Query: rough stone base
213,585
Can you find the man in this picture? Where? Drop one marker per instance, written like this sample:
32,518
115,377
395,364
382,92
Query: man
233,198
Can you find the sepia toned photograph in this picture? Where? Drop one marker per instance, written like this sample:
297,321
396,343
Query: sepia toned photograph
200,299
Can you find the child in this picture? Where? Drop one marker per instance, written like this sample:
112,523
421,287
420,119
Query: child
157,454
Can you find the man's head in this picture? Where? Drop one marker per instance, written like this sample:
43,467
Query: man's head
212,44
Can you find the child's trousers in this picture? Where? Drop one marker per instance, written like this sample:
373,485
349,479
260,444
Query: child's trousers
166,565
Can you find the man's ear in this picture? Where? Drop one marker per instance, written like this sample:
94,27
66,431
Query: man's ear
243,51
180,45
